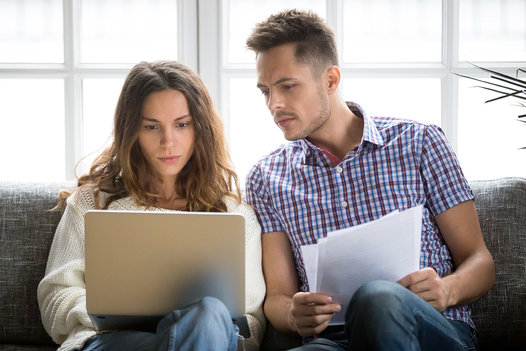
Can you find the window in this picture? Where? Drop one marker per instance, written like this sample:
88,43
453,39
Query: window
62,64
32,131
397,58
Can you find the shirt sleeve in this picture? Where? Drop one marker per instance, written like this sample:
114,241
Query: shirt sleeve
258,196
444,182
62,292
255,283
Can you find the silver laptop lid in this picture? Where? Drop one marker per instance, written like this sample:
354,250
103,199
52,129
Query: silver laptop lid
150,263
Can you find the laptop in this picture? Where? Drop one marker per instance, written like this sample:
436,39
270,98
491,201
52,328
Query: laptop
142,265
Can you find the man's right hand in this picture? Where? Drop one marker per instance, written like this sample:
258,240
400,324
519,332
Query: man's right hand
287,309
311,312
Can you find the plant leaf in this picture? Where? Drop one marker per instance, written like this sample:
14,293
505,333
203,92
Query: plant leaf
500,74
507,95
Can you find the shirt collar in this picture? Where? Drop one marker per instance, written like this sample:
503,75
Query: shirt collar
371,133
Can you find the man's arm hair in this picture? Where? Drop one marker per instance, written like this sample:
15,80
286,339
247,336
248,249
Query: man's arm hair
281,279
475,270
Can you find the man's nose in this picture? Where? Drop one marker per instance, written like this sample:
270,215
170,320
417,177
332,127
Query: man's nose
275,101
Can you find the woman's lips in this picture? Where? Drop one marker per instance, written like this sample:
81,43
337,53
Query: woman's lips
169,159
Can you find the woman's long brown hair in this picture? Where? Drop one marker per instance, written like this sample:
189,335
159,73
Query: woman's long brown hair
121,170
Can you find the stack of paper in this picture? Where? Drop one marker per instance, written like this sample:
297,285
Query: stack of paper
387,249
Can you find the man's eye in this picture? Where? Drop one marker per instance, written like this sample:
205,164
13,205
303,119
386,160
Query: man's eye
288,86
264,92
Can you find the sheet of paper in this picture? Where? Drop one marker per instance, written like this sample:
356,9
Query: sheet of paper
387,249
310,260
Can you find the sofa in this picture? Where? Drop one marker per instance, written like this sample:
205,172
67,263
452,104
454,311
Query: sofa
27,227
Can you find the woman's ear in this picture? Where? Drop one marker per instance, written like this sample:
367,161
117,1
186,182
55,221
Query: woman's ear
333,76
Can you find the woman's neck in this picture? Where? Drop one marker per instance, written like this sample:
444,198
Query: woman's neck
172,204
168,197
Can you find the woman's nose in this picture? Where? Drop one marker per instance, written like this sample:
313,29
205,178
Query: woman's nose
167,138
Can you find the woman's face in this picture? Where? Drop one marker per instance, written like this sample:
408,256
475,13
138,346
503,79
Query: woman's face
166,136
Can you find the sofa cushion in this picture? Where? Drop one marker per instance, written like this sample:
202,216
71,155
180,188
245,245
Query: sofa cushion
12,347
26,233
500,316
27,229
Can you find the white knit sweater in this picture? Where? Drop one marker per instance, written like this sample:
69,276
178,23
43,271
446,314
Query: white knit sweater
62,292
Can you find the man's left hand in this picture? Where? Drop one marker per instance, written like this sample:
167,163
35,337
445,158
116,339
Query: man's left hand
426,284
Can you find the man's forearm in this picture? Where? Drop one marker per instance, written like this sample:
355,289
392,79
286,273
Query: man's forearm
472,279
278,311
475,271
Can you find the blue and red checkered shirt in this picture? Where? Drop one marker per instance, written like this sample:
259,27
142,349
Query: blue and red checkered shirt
399,164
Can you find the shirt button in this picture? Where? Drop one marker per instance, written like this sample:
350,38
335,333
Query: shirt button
339,169
344,204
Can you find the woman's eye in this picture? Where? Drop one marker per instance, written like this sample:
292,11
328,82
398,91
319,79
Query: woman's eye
151,127
182,124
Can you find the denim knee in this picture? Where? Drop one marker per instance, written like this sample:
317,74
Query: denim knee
201,314
377,289
209,304
205,324
213,311
375,299
378,313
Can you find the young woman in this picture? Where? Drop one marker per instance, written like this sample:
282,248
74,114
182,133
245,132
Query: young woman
168,153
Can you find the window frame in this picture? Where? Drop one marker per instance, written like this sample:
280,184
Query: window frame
217,73
73,72
202,46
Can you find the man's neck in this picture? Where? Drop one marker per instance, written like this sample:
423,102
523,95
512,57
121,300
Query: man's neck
342,132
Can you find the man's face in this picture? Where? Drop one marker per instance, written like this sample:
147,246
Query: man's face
298,102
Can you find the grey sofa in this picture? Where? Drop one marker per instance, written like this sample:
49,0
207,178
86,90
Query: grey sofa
27,227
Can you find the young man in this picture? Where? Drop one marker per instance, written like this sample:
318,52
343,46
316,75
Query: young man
342,168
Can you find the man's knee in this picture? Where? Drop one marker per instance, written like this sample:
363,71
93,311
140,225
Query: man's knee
378,290
377,310
377,297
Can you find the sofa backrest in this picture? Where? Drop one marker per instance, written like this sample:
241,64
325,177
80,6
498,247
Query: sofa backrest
26,231
500,316
27,228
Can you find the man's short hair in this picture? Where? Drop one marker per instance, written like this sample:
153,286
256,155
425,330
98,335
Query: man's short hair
315,43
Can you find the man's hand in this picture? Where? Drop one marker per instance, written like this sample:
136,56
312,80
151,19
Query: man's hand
429,286
287,309
311,312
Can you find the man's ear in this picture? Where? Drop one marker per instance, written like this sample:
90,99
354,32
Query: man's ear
332,79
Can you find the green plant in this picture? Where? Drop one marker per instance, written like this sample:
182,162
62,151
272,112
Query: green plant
505,86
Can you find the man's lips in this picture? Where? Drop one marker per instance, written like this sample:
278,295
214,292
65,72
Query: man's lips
283,119
283,122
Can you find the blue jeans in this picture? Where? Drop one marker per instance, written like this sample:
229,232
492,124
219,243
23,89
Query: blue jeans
204,325
386,316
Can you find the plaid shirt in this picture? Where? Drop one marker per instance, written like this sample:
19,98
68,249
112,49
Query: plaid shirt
399,164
